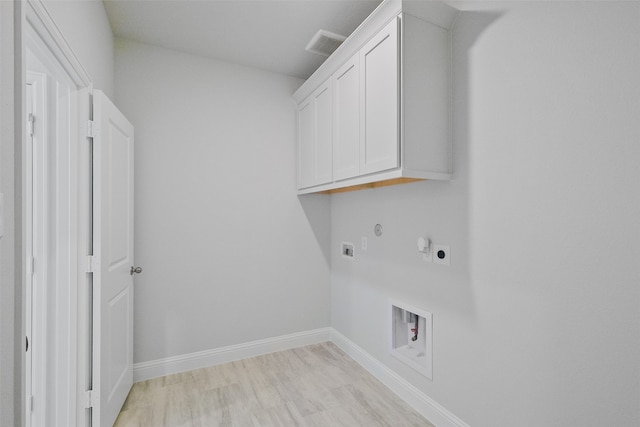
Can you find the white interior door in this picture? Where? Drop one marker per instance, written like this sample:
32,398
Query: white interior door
113,255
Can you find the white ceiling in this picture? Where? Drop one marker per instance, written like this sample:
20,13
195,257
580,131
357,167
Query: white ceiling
266,34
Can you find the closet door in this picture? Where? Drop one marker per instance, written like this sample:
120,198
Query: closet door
346,120
113,258
379,62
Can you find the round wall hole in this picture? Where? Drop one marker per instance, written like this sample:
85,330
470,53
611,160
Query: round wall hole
441,254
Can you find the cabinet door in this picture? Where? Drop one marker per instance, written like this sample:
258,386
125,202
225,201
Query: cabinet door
379,123
315,151
306,136
323,150
346,120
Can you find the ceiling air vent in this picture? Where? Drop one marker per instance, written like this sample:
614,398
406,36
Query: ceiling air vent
325,42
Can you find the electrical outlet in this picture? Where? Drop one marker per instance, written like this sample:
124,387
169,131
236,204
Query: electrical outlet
441,254
347,250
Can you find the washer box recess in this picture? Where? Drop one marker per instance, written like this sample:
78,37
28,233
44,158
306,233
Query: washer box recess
411,339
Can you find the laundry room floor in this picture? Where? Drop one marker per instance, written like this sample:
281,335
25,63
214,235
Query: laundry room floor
315,385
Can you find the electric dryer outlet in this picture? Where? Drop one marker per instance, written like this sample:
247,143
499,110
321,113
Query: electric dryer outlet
441,254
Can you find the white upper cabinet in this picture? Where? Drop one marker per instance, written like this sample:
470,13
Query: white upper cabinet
306,136
377,111
315,146
324,139
346,120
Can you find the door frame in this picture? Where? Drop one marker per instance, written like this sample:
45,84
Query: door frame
36,228
73,178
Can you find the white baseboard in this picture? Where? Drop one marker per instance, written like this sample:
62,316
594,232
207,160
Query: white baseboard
202,359
419,401
426,406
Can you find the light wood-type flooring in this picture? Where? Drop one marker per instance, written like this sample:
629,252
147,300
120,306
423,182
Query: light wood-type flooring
316,385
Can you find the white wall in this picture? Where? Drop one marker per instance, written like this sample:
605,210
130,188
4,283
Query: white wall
228,252
10,289
537,320
86,28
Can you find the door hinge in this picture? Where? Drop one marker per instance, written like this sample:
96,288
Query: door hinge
33,265
90,130
31,403
31,120
91,263
90,399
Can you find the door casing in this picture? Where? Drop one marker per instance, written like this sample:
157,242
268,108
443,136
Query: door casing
69,225
70,292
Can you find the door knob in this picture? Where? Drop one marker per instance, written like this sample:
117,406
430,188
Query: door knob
135,270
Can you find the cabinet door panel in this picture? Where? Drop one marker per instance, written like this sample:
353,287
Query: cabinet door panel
346,142
305,144
379,115
323,163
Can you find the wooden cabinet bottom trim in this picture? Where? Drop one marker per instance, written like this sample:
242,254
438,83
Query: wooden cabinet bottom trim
385,183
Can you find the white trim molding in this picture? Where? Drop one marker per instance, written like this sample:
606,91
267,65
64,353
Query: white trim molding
202,359
45,27
43,41
426,406
423,404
